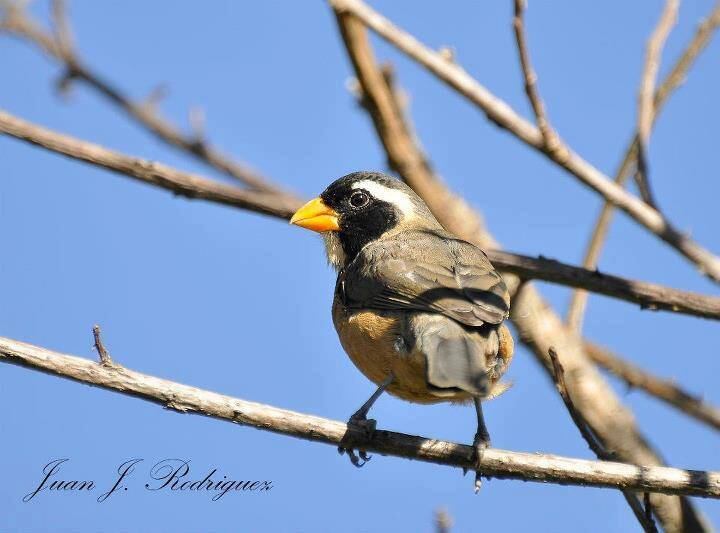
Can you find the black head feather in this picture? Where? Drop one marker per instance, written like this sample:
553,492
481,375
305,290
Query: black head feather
364,215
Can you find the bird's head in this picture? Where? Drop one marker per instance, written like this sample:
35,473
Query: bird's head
360,208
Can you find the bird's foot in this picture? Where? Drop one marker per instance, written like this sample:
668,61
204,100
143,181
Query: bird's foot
480,443
361,430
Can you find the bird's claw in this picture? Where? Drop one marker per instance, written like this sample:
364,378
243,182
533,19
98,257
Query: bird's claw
366,427
481,443
358,459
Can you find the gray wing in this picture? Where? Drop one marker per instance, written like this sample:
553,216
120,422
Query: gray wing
428,271
456,358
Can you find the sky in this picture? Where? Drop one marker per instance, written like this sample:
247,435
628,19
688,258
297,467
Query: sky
239,303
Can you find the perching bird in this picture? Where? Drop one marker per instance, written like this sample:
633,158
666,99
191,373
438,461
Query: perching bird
419,311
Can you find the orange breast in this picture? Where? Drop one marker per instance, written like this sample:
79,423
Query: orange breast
370,337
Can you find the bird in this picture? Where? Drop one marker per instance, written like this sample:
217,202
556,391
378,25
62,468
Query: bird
419,311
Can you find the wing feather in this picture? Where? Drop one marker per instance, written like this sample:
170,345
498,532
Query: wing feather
428,271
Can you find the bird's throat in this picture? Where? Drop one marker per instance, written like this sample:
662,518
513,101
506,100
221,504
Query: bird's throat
336,256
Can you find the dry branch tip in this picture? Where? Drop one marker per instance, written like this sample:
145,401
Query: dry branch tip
105,359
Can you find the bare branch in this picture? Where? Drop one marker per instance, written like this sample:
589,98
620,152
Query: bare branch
646,95
15,22
578,301
674,79
647,295
59,47
192,186
157,95
181,183
100,156
662,389
504,116
63,34
648,511
539,327
527,297
443,521
677,74
530,77
197,120
496,463
105,359
558,375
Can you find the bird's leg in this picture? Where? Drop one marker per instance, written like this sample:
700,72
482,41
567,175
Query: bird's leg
361,414
480,443
360,421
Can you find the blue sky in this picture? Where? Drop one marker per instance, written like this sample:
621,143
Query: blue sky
240,304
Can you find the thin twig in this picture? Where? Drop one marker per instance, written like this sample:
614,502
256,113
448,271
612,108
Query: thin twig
59,47
578,301
662,389
504,116
672,81
538,325
63,33
558,375
647,295
197,121
498,463
642,514
100,347
443,521
648,510
530,77
181,183
699,42
646,95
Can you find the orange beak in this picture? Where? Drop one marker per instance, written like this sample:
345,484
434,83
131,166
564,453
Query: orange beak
316,216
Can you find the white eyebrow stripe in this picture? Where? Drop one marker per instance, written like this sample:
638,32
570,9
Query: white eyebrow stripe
386,194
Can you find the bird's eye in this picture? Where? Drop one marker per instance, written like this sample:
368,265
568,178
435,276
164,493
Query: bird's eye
359,199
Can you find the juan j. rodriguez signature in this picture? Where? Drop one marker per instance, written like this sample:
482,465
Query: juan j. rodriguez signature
166,475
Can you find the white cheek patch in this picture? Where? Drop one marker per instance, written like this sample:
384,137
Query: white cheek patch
392,196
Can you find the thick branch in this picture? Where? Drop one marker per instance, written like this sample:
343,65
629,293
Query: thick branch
662,389
181,183
539,327
496,463
504,116
674,79
647,295
59,47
